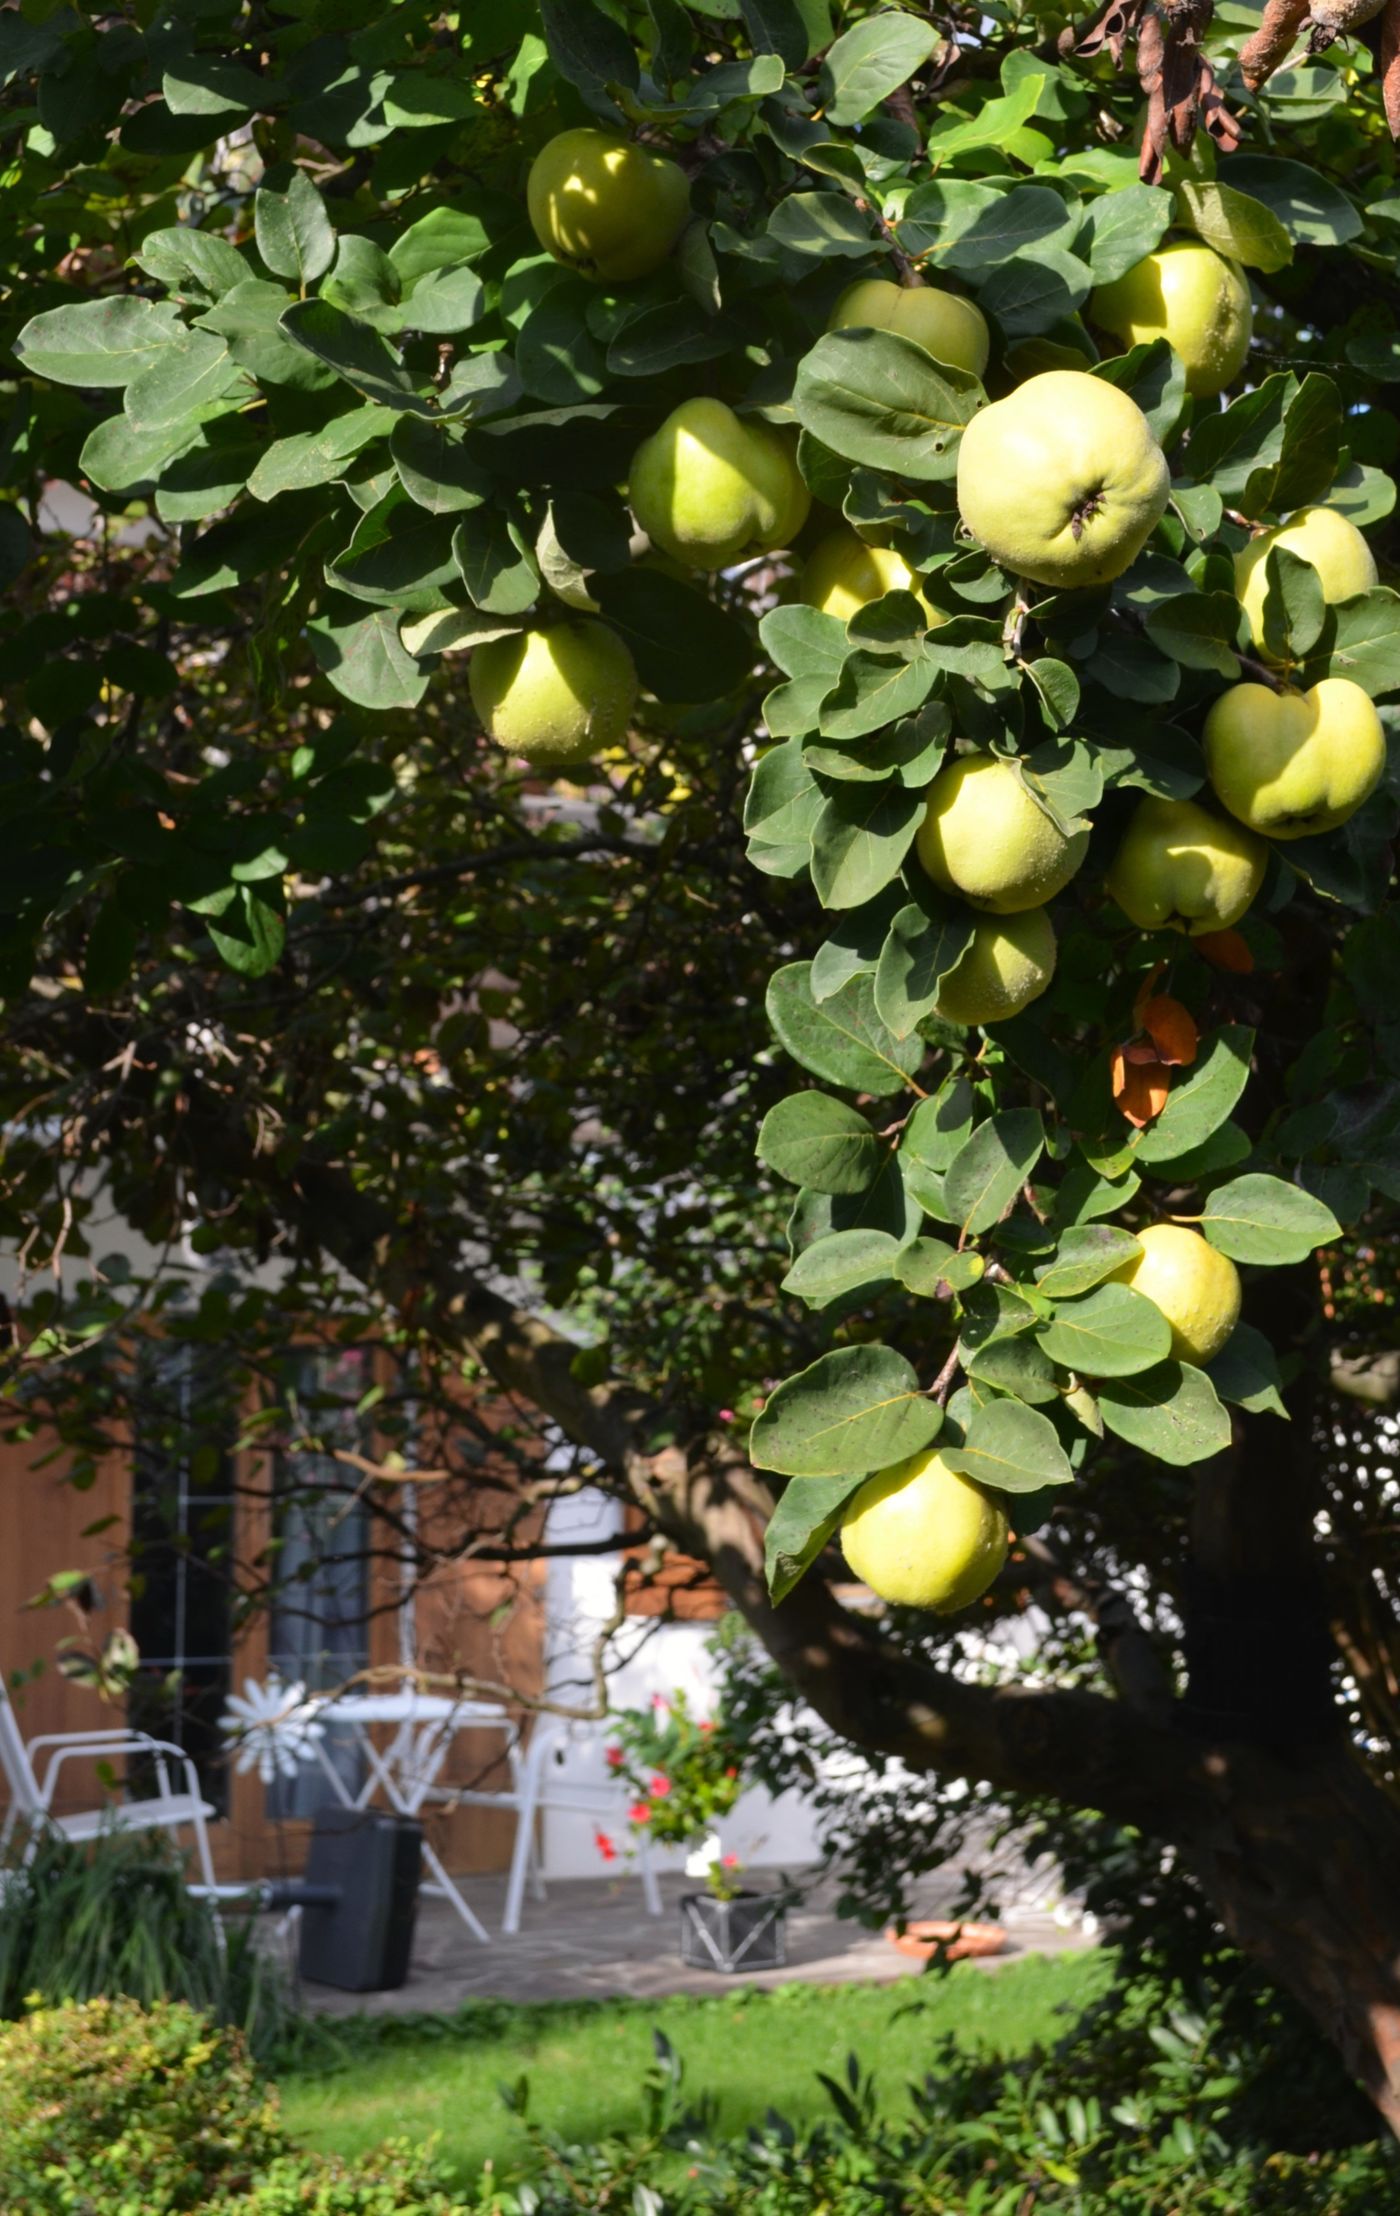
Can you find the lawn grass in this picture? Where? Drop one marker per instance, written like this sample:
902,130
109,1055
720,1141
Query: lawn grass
745,2047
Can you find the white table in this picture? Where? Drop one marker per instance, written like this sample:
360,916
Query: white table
407,1770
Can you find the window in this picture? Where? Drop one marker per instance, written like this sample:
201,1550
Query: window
319,1629
182,1516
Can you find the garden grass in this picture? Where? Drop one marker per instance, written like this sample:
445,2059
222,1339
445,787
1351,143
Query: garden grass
744,2048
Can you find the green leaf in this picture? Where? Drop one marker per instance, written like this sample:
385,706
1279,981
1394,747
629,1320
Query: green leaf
498,572
364,659
1198,629
841,1263
1294,609
399,557
874,397
921,948
927,1264
354,352
874,690
187,376
1151,374
586,46
996,122
1123,228
989,1169
1037,290
665,337
809,648
854,1411
293,231
685,646
1234,224
197,264
870,62
310,458
941,1125
1170,1412
1016,1366
1257,1218
780,812
821,224
435,469
205,84
249,934
1087,1254
1197,1106
1012,1449
822,1143
1365,645
1310,207
860,839
841,1039
802,1524
1113,1332
1246,1372
364,282
98,342
972,228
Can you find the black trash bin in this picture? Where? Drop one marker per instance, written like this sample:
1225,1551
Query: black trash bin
368,1862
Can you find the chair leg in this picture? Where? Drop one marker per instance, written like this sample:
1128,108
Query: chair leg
521,1858
538,1890
651,1891
201,1844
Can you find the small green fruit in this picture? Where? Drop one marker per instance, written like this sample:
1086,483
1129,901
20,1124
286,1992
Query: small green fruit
1196,1288
560,695
1062,481
1008,964
608,209
843,574
1192,297
710,487
1344,562
984,837
945,325
1179,868
1291,764
923,1537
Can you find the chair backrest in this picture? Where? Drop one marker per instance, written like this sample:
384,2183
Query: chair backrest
14,1759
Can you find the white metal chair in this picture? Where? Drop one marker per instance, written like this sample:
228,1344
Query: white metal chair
32,1789
542,1783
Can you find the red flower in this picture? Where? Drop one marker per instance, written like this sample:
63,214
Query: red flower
729,1861
659,1700
706,1729
614,1758
605,1846
731,1771
659,1786
639,1812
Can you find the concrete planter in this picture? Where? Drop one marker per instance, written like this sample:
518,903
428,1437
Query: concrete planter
748,1932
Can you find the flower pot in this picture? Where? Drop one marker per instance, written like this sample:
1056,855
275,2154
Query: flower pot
748,1932
955,1942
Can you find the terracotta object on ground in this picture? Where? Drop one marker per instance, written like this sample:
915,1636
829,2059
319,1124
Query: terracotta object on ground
952,1940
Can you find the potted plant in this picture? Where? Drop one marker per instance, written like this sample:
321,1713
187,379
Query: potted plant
686,1773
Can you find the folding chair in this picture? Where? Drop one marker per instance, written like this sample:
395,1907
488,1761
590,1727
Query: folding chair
32,1790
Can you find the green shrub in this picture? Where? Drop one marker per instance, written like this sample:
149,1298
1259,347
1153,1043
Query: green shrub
113,1917
109,2109
396,2180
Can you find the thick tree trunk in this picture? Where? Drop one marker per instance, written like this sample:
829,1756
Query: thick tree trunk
1304,1871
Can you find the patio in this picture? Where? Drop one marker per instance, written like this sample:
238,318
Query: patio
593,1939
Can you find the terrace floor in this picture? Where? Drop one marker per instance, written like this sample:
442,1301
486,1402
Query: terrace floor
593,1939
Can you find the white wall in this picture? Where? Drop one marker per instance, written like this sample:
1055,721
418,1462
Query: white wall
644,1657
